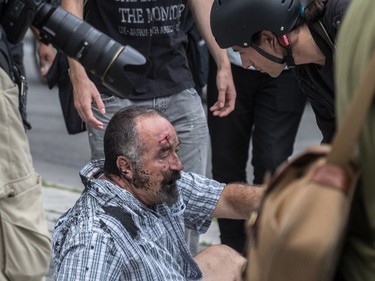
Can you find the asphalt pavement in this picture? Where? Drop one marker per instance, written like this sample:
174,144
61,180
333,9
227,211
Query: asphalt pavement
58,156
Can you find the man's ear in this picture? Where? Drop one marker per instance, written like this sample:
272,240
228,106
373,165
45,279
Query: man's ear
267,38
125,167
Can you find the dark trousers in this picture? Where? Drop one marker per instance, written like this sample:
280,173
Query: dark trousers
268,111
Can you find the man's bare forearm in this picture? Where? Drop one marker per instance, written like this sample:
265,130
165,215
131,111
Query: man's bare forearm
201,10
238,200
76,8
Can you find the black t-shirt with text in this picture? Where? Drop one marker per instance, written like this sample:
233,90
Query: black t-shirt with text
154,28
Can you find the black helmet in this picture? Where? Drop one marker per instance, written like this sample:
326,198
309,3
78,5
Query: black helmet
234,22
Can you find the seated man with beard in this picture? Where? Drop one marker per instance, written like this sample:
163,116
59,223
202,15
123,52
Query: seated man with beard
128,224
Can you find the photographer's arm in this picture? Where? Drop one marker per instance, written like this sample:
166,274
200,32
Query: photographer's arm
238,200
227,93
84,89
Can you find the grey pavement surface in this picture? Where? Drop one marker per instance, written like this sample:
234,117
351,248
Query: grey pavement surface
58,157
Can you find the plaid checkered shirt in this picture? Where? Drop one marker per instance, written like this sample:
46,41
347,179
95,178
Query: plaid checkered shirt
109,235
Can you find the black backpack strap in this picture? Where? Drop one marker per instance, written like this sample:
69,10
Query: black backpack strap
329,24
319,29
324,34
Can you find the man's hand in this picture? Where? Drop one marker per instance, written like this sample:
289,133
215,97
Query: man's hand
46,55
85,93
226,94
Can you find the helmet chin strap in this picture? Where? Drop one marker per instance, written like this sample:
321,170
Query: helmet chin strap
267,55
288,59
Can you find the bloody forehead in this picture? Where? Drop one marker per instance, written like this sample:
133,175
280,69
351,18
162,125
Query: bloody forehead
165,138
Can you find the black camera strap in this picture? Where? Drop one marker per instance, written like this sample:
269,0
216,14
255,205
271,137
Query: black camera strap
21,81
5,58
6,63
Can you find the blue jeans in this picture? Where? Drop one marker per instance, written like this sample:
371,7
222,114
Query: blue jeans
186,113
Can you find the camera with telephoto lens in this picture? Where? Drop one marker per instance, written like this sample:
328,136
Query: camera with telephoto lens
97,52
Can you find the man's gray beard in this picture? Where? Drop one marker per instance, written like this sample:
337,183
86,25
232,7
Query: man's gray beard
168,193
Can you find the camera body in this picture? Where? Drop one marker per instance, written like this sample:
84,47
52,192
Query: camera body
16,16
96,51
